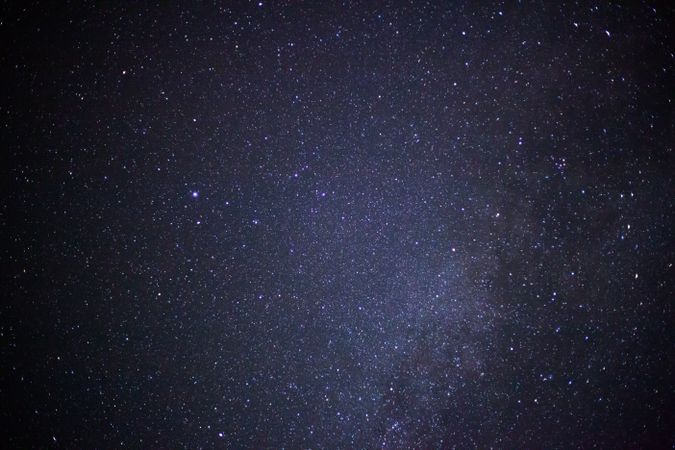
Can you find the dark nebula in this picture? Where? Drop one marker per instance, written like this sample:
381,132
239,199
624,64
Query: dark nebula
337,225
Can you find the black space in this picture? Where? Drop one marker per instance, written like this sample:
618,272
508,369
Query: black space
337,225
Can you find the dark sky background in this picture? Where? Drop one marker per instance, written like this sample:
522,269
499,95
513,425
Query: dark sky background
337,225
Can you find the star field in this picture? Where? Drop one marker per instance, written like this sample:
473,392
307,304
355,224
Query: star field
337,225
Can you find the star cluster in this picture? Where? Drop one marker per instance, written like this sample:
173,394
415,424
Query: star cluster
338,225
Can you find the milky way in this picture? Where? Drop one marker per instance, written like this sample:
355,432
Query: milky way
337,225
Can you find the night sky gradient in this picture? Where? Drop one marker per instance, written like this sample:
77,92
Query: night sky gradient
397,224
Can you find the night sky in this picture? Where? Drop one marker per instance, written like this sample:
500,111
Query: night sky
337,225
